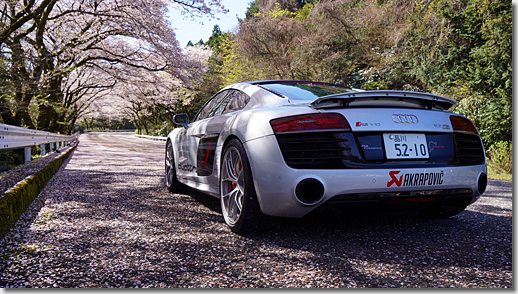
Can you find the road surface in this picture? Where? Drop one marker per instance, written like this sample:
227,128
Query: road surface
106,220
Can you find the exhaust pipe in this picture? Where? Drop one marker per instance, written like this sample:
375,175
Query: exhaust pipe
309,191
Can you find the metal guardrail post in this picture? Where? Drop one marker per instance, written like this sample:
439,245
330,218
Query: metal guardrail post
27,154
43,152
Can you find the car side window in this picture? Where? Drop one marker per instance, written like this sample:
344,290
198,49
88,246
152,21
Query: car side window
211,106
222,104
239,101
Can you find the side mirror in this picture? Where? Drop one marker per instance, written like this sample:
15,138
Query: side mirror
181,119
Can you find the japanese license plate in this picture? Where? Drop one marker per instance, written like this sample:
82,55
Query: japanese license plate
402,146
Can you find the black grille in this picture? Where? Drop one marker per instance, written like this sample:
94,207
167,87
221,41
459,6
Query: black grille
339,150
315,150
469,149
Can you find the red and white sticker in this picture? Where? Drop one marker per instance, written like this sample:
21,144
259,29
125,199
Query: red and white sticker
414,179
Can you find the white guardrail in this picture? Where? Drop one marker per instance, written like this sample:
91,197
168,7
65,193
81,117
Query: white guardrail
12,137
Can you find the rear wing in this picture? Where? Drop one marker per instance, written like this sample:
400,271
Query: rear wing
384,98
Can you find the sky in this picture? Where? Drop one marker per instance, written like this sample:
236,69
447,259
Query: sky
187,29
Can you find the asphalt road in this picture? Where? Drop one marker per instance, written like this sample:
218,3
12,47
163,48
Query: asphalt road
106,220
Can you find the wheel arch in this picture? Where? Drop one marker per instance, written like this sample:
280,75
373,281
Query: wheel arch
171,178
175,152
250,218
228,138
250,163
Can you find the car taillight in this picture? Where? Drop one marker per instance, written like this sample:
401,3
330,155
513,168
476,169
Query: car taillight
318,122
461,124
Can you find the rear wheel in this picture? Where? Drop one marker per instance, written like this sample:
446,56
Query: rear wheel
171,181
239,203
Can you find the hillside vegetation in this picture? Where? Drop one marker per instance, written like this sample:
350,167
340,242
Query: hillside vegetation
460,49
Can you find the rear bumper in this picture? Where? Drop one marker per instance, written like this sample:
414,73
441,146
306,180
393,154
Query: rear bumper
276,183
398,203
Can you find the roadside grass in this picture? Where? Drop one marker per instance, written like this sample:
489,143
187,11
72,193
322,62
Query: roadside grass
496,174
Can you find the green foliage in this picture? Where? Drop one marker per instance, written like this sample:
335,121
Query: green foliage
253,8
304,12
376,85
101,123
462,49
457,48
162,130
500,156
234,67
277,12
492,117
214,41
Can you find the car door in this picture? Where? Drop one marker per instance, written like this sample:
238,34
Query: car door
198,141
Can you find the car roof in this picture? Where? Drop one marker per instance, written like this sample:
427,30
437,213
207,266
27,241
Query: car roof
265,82
355,97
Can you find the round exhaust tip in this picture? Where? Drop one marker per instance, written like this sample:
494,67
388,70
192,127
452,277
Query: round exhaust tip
309,191
482,183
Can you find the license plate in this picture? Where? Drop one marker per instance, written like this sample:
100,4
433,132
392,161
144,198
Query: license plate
402,146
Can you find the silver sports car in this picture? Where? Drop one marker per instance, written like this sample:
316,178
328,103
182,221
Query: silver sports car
280,148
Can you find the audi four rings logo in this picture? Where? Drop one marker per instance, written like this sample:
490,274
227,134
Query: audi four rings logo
405,118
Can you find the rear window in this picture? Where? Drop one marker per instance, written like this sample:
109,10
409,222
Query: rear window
305,90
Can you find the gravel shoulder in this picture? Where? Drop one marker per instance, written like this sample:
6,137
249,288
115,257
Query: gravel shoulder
105,220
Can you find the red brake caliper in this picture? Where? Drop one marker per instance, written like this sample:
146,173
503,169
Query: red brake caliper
234,184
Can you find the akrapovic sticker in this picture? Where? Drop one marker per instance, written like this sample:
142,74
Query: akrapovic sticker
415,179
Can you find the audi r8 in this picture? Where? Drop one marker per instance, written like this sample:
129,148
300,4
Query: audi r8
279,148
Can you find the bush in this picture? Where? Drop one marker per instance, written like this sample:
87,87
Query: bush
500,155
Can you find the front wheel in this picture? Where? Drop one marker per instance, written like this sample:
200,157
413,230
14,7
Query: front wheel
239,203
171,181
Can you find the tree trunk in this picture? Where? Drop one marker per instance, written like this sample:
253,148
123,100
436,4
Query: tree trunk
6,114
23,112
44,117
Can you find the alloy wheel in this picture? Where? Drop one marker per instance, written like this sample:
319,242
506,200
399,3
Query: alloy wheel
232,186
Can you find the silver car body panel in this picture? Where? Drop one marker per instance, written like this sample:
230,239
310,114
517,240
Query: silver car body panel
275,181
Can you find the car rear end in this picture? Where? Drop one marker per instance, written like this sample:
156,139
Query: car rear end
388,165
376,152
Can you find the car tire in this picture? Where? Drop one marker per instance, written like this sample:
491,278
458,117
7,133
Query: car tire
239,204
171,181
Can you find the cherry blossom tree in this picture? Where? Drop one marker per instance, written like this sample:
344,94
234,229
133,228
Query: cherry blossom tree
51,46
152,97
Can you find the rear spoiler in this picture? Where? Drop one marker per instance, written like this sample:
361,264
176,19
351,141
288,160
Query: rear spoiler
384,98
